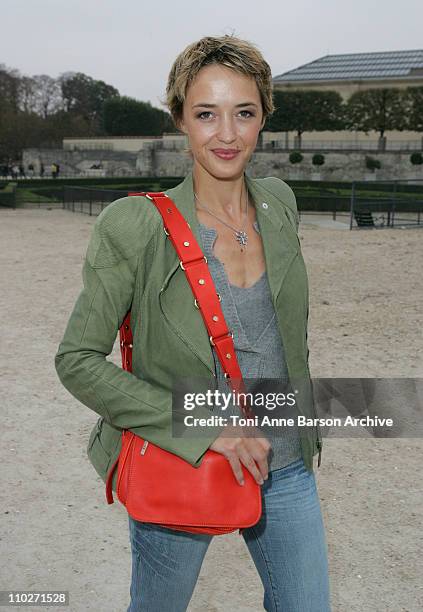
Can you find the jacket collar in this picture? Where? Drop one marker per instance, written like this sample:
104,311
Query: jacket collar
183,196
280,244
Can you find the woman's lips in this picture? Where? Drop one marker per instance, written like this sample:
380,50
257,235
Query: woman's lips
225,153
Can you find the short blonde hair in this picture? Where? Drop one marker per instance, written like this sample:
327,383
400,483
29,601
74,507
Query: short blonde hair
228,50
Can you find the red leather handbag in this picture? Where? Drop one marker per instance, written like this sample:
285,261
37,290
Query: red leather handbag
156,485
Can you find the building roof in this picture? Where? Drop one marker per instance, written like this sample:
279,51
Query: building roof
378,65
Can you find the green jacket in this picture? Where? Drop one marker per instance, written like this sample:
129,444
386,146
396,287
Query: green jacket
131,264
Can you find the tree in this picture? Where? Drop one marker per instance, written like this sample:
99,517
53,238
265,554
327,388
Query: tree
125,116
306,111
376,109
414,108
48,98
18,131
9,89
27,94
39,111
85,96
61,124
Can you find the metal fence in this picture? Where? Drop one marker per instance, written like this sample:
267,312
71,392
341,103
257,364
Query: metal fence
340,145
89,200
397,203
372,204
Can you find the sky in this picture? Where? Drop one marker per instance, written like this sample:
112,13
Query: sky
132,44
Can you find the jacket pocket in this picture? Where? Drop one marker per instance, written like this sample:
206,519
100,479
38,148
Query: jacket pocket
94,433
102,445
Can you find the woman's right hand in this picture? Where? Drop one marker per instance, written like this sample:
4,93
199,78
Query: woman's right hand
251,451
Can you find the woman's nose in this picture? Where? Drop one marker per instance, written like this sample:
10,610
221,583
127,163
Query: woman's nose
227,131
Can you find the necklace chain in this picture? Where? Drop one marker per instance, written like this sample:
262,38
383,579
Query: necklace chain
241,235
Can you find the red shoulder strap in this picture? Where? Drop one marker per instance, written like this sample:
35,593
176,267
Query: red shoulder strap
194,263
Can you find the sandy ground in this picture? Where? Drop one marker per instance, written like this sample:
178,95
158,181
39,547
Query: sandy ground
57,532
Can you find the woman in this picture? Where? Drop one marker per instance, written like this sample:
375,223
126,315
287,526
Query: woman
219,93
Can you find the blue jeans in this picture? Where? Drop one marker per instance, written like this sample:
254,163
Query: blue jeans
287,545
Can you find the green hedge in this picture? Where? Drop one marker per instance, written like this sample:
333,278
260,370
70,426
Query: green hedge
7,194
94,181
50,191
310,195
416,158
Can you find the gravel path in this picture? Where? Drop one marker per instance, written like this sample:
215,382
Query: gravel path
57,532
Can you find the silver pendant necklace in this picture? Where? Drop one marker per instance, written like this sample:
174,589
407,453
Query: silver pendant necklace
241,235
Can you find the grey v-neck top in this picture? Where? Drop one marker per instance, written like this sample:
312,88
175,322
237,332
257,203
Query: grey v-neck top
250,315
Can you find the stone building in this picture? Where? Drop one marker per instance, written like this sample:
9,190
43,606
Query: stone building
351,72
345,151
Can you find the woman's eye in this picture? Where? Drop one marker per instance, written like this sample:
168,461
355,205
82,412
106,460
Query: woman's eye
208,114
201,115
